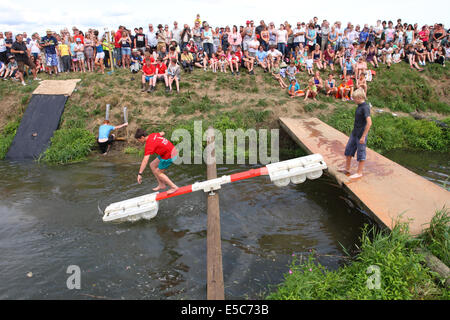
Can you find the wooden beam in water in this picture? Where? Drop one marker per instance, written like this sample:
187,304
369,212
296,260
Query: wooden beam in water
215,285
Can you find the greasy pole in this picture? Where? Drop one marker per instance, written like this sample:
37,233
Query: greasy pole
215,286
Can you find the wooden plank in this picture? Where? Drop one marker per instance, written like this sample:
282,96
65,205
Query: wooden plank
388,192
215,285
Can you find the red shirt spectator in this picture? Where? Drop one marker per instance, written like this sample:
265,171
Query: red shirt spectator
148,70
159,145
79,36
117,38
161,68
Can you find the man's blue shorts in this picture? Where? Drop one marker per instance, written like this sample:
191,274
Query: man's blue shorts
353,146
165,163
148,78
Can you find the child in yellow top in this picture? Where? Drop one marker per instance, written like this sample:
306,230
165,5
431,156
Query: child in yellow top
197,19
64,53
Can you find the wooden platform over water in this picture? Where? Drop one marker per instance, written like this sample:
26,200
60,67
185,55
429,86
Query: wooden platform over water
387,191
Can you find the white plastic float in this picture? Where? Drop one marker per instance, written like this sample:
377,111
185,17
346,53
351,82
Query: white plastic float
281,173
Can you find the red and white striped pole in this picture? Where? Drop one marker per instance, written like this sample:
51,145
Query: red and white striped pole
281,173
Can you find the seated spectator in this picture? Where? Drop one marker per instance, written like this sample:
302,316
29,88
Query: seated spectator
2,68
328,57
161,74
317,56
330,85
361,67
294,89
223,63
136,61
163,55
148,72
421,53
345,89
261,58
233,62
248,62
349,67
311,91
214,62
11,68
273,55
201,59
387,55
187,61
361,82
192,47
309,62
317,81
173,72
173,54
372,56
276,74
105,138
291,71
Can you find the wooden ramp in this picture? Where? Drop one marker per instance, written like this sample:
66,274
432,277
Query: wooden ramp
388,191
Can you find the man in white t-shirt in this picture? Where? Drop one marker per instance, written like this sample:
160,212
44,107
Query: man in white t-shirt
340,33
253,46
176,32
378,31
274,53
299,34
152,42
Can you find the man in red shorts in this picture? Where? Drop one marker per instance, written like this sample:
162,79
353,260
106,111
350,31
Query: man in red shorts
155,143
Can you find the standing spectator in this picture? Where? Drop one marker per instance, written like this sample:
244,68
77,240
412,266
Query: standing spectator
64,53
282,40
265,38
325,30
8,41
117,46
197,34
89,51
185,36
234,38
207,38
125,44
311,37
161,38
99,55
3,51
152,42
49,44
176,32
79,51
19,48
248,35
139,40
272,35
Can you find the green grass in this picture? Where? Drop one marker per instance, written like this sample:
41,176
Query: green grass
389,132
69,145
7,136
436,237
402,272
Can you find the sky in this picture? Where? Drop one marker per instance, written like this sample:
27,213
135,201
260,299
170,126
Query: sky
37,16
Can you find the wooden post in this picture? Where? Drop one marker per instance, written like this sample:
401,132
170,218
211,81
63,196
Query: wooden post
215,286
125,119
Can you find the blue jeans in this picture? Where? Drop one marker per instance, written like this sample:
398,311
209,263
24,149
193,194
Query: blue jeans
209,49
282,48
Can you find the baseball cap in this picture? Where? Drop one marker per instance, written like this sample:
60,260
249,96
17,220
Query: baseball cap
247,22
48,30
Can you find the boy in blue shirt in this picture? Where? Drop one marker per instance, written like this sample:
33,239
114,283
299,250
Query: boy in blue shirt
105,138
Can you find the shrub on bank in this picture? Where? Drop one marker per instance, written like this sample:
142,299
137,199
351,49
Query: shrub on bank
389,132
402,272
7,136
69,145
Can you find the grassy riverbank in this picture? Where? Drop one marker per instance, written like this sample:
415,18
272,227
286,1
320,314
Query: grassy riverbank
391,255
229,102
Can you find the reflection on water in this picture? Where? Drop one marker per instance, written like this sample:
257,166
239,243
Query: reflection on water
49,219
434,166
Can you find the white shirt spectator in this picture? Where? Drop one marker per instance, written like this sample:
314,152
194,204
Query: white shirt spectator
300,38
2,45
151,38
282,36
33,46
176,34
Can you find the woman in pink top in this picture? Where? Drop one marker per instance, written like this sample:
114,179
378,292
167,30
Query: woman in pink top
234,38
424,35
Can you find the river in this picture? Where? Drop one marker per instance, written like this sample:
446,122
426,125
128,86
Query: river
50,218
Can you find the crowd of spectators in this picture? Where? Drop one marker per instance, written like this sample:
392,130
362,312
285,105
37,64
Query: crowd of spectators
348,54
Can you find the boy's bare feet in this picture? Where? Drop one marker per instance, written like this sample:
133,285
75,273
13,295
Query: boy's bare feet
159,187
356,176
172,190
343,170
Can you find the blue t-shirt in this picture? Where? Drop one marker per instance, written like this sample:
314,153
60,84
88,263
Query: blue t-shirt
104,131
296,87
363,36
51,48
261,55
